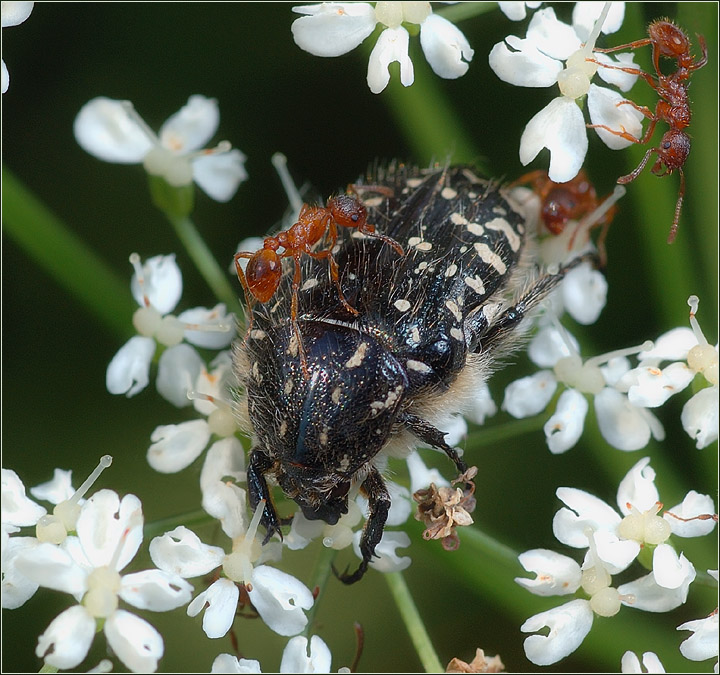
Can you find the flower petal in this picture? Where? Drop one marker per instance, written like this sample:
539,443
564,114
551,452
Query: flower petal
129,371
560,128
209,339
445,47
699,417
333,28
17,589
387,558
584,292
66,641
192,126
219,174
521,63
552,36
51,567
109,529
637,488
17,509
646,594
585,14
604,108
569,526
280,600
227,663
155,590
297,658
178,370
564,428
162,283
221,599
14,13
568,624
631,664
105,129
135,642
529,395
557,574
392,45
177,446
694,504
181,552
622,424
56,490
703,643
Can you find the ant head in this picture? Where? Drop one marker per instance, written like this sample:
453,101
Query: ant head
669,38
263,274
673,150
347,211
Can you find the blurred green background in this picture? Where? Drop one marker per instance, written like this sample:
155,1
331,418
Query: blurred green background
320,114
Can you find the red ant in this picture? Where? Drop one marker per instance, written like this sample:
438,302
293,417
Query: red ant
261,278
670,41
572,200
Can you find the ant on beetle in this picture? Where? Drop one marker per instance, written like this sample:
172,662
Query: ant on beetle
572,200
261,277
670,41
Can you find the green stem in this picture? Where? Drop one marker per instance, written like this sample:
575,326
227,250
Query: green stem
65,257
502,432
205,262
321,575
157,527
413,622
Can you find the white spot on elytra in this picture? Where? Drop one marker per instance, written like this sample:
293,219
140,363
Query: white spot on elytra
415,335
283,429
476,284
448,193
476,229
424,246
288,386
452,306
402,305
257,334
418,366
357,358
502,225
457,334
458,218
490,257
335,396
451,270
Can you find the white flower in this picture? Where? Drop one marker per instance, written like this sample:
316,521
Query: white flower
703,643
157,287
557,574
296,658
335,28
569,624
623,425
18,511
109,533
517,11
279,598
553,53
386,558
631,664
691,355
13,14
113,132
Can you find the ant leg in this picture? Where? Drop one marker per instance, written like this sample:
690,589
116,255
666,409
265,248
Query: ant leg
625,134
638,170
704,51
630,45
297,277
626,69
249,297
678,206
382,237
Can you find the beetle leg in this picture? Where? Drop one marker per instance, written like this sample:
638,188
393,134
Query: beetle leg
379,504
427,433
260,464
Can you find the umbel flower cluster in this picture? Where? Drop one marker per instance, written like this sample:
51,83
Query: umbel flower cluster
611,559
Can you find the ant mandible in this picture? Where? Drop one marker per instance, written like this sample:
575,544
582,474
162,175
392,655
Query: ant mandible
263,273
572,200
673,108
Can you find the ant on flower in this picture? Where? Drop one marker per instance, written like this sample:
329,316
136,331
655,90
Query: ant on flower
263,273
673,108
575,200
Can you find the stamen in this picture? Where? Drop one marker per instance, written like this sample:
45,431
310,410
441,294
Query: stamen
221,148
693,301
279,161
54,528
597,215
595,33
136,262
604,358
